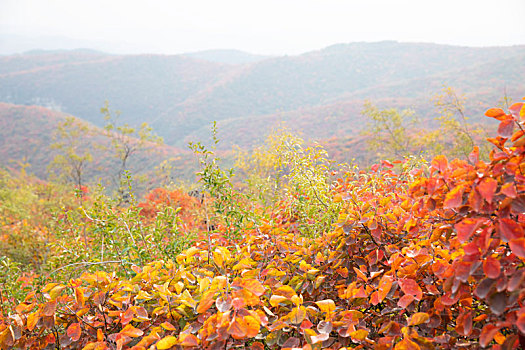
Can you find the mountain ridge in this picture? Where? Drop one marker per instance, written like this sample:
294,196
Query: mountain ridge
180,96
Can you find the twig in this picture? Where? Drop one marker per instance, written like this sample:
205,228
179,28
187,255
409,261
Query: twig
87,263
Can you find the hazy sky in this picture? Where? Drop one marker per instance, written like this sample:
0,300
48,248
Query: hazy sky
266,26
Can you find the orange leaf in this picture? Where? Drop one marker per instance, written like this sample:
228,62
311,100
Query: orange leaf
253,326
385,283
100,335
406,344
131,331
360,274
454,198
440,163
237,328
419,318
496,113
74,331
253,286
277,299
285,291
168,326
257,346
79,297
487,187
188,340
127,316
207,300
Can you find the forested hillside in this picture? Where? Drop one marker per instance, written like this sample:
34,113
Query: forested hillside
28,133
180,96
287,250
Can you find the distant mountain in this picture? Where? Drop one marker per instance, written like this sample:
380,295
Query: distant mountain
226,56
11,44
319,93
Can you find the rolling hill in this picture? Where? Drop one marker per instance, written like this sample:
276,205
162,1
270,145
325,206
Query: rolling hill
27,132
318,93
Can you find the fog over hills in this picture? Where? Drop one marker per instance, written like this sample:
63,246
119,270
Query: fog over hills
319,93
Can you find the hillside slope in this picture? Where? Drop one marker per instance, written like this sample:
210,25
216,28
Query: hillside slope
180,96
27,132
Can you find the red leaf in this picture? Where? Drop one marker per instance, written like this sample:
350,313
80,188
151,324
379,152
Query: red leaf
483,288
518,246
466,227
505,128
491,267
257,346
474,155
238,303
405,300
498,303
487,334
409,286
464,323
127,316
49,308
487,187
74,331
520,322
509,229
509,190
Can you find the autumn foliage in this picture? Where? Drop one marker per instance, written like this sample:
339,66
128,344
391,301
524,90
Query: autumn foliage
420,257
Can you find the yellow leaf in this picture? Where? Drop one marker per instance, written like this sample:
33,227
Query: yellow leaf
167,342
297,315
276,300
360,334
55,291
327,305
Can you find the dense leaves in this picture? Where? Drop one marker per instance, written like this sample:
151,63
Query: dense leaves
419,258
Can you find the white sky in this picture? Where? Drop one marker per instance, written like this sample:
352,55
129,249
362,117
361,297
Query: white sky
266,26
